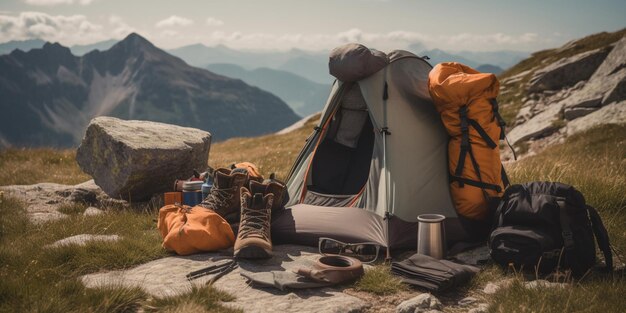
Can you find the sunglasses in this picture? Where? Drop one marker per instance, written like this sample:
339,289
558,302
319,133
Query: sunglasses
366,252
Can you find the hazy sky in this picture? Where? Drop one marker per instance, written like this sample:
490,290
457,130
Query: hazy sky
315,25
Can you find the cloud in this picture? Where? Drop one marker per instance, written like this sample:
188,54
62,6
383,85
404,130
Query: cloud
169,33
72,29
398,39
174,20
57,2
211,21
120,28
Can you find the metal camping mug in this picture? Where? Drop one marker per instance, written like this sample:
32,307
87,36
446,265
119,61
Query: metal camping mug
431,235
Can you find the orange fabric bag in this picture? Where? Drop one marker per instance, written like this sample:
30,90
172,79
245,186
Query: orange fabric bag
186,230
466,100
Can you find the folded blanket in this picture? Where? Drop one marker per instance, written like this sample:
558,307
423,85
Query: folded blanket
432,274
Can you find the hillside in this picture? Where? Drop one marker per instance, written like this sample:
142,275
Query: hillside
49,95
302,95
559,92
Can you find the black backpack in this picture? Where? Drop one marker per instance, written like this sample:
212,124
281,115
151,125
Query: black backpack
545,226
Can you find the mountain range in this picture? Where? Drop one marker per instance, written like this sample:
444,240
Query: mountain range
305,97
308,64
49,95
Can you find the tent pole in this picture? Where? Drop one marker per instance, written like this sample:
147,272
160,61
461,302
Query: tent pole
385,131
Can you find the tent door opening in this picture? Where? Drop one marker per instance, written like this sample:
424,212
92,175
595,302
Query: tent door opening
341,164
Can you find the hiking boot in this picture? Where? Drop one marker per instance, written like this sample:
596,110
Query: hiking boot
275,187
225,194
253,238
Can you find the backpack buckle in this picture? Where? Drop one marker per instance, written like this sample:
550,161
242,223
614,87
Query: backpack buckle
568,239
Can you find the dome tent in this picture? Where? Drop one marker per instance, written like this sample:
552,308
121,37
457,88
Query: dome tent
376,160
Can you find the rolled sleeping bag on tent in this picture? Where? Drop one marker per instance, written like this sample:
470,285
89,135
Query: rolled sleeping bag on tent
465,99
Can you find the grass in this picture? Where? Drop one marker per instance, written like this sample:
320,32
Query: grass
600,295
30,166
72,208
38,279
203,299
595,163
379,280
271,153
33,279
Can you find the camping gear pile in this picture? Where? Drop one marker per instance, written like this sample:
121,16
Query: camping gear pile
239,201
397,139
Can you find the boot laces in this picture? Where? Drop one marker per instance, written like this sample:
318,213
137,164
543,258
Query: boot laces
255,223
218,198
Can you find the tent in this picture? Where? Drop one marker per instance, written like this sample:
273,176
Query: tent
376,160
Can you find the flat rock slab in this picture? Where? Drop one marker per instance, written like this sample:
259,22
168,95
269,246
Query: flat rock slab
540,125
42,200
83,239
166,277
614,113
133,160
568,71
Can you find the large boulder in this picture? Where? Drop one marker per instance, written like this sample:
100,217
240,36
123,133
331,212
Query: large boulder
567,72
132,160
606,86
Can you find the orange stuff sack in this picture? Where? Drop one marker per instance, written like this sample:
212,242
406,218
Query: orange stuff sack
466,100
252,169
186,230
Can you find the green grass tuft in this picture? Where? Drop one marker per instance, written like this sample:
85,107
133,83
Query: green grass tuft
379,280
31,166
605,294
72,208
202,299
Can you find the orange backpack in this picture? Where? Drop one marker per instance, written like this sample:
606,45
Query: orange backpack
466,100
186,230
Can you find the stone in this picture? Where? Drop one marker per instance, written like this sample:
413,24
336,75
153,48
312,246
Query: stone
133,160
539,125
166,277
482,308
611,114
567,72
422,303
467,301
493,287
540,283
606,85
83,239
42,200
92,211
576,112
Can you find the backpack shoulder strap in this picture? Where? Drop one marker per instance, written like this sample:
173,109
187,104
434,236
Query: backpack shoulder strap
602,236
566,229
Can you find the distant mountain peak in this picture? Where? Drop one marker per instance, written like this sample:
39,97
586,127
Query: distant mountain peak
55,48
134,42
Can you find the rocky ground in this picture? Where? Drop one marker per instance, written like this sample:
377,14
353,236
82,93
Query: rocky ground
166,276
568,96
